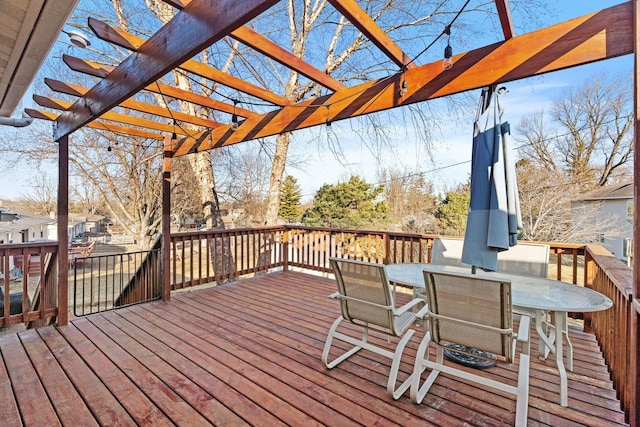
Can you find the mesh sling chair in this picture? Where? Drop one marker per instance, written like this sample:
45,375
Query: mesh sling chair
366,300
475,312
532,259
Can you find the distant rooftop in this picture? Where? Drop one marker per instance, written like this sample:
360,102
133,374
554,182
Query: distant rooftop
617,191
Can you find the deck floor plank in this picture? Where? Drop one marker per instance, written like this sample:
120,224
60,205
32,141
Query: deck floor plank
102,403
8,404
166,398
34,405
129,395
66,400
248,353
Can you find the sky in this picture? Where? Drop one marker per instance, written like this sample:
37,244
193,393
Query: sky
452,146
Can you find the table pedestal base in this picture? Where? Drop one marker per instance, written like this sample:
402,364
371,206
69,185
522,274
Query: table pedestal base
465,359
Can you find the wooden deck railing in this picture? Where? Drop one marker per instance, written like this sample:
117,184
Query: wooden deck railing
29,284
202,257
612,328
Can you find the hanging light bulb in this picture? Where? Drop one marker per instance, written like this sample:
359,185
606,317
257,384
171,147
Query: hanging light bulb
234,116
447,62
403,88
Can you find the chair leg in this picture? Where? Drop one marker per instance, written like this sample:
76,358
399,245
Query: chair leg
522,400
395,367
327,345
419,392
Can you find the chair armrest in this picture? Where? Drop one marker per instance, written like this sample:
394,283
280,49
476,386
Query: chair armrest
408,306
423,313
523,329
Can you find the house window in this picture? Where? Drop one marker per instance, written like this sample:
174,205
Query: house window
600,237
630,210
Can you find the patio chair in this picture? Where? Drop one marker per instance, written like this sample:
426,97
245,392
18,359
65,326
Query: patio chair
447,251
529,259
473,311
532,259
366,301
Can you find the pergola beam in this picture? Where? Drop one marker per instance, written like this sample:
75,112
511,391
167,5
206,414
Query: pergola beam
597,36
98,70
143,107
134,43
506,20
97,124
199,25
64,106
367,26
268,48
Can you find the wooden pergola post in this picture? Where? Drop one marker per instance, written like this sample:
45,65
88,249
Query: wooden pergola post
63,224
165,272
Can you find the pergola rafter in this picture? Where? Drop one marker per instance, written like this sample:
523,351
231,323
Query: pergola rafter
98,70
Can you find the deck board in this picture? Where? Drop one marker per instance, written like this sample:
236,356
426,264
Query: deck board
248,353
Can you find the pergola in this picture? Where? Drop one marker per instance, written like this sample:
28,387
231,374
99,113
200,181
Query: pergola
602,35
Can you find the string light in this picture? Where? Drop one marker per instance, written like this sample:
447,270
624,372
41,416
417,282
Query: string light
234,116
403,88
447,62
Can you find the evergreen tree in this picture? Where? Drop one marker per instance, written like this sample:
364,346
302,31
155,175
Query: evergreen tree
451,214
351,204
290,196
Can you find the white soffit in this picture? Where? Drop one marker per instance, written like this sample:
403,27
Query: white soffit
29,30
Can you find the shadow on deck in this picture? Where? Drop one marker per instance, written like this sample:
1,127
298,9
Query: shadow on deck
248,353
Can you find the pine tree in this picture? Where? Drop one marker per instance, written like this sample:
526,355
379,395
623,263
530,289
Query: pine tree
290,196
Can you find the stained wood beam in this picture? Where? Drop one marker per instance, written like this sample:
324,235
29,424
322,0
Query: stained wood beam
601,35
367,26
98,70
75,90
268,48
57,104
97,124
284,57
506,20
199,25
134,43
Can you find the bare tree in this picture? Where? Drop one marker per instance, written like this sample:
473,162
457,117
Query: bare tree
548,215
410,199
593,138
41,198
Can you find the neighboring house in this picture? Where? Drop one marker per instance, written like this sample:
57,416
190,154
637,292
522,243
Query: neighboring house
613,202
19,228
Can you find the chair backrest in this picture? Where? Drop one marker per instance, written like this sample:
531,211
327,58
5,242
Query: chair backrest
472,311
447,251
365,293
529,259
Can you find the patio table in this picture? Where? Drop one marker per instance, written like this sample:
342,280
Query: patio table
533,293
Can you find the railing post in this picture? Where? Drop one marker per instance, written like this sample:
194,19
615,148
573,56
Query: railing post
63,238
588,283
387,249
285,249
165,269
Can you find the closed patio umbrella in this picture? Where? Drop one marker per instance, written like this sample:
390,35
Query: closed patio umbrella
494,211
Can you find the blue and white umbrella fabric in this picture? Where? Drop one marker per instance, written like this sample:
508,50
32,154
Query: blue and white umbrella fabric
494,211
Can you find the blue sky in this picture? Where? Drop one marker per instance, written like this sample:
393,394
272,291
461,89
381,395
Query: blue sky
451,148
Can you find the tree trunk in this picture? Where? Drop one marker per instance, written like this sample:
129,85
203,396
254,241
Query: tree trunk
221,257
275,182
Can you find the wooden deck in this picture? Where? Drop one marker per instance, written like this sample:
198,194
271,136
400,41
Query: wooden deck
248,353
